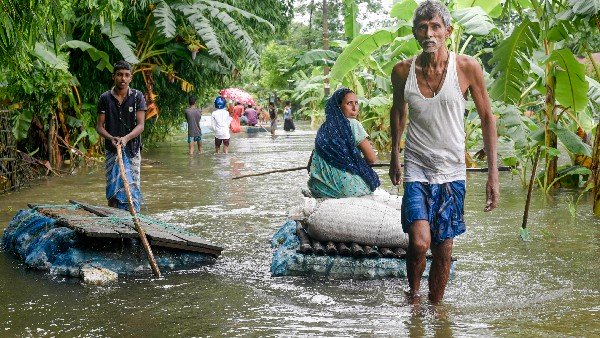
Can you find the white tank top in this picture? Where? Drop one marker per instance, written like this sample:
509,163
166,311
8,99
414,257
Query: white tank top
435,138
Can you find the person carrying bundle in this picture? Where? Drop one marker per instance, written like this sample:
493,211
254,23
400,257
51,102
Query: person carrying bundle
339,165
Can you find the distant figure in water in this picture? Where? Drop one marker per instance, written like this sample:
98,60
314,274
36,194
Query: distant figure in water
273,117
251,116
288,121
220,121
340,164
193,116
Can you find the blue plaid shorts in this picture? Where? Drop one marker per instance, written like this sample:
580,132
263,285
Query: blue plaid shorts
442,205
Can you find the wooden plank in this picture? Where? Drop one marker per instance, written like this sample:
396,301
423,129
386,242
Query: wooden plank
186,248
126,232
198,242
162,236
155,233
95,231
100,211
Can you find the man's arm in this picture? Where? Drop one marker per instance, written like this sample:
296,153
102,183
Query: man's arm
102,108
488,127
398,115
140,117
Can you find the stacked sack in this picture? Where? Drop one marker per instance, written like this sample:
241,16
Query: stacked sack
372,220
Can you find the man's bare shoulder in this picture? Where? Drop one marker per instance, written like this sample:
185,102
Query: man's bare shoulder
467,63
402,68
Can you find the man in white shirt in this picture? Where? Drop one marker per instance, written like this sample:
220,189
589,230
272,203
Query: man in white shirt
220,121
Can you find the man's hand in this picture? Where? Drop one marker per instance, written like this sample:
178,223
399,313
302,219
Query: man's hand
492,193
395,171
115,140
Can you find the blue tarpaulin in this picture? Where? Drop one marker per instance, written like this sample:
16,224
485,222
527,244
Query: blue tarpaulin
45,245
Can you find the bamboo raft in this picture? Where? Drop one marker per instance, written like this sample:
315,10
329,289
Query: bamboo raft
106,222
99,244
309,246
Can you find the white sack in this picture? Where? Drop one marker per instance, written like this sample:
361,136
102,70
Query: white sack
363,220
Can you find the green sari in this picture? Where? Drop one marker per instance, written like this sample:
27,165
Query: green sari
328,181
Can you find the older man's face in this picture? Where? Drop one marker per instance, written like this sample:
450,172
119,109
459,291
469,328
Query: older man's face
431,34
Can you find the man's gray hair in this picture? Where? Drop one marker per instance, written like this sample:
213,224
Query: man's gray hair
428,10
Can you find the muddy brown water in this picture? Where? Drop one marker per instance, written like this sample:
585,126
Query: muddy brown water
502,286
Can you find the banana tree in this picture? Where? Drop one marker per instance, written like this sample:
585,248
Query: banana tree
530,60
308,90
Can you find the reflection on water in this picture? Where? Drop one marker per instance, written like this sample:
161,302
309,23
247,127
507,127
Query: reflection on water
502,286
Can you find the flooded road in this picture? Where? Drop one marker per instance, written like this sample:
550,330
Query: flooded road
503,286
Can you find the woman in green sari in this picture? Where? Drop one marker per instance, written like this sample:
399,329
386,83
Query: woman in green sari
339,165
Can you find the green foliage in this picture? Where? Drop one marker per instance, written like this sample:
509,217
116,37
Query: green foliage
275,62
21,123
571,86
351,26
511,62
362,47
404,10
474,20
570,140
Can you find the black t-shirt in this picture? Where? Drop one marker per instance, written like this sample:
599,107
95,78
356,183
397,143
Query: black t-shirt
120,119
272,113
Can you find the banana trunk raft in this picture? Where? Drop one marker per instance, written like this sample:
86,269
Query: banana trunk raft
99,243
296,254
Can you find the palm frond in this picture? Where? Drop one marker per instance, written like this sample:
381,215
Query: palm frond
231,9
194,15
165,19
119,37
238,32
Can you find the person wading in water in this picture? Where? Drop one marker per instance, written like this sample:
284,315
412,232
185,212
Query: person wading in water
121,116
434,85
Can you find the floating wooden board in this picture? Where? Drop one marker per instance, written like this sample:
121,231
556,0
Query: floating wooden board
106,222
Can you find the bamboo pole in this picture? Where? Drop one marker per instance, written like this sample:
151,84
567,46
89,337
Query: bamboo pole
531,181
136,221
374,165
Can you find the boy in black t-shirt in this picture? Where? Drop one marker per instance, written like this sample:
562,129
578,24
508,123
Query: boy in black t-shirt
121,116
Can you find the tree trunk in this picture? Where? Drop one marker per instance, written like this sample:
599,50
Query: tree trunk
310,18
325,25
54,156
596,171
550,139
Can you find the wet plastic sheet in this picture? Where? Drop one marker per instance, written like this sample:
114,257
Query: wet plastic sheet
44,245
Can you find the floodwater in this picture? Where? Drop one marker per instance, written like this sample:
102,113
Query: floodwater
503,286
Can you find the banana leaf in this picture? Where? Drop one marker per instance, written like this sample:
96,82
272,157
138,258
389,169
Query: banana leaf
475,20
351,26
363,46
571,86
570,140
511,62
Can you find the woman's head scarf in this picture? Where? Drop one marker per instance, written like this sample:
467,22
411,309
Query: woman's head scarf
336,145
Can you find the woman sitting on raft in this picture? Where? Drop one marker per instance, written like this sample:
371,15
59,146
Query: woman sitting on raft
337,167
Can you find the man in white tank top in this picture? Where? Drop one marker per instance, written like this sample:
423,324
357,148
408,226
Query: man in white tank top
433,87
